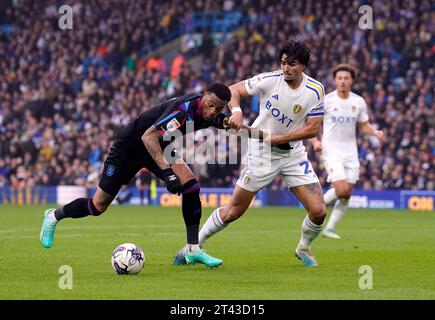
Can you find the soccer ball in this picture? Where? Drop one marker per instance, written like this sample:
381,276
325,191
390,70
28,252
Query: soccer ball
128,258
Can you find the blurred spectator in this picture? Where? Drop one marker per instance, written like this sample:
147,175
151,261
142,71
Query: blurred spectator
177,63
207,45
143,184
156,63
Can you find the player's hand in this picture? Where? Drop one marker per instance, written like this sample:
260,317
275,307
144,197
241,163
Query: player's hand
379,134
236,120
172,182
317,145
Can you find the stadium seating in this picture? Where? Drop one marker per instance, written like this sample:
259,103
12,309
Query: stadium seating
64,93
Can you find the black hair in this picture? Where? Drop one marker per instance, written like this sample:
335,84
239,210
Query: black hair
220,90
344,67
295,50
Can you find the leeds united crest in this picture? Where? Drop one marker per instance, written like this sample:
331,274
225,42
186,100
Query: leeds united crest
297,108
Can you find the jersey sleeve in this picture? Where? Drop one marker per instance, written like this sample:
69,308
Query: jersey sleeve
317,108
171,119
317,101
363,115
259,85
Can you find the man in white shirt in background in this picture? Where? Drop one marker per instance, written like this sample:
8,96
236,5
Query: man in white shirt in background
339,152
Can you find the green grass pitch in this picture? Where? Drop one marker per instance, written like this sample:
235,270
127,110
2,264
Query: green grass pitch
258,254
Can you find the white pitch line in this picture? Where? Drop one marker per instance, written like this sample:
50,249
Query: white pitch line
8,230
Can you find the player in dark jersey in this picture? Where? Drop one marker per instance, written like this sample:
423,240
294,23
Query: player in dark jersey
146,142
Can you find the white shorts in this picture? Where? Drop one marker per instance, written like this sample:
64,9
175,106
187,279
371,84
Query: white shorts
259,172
339,169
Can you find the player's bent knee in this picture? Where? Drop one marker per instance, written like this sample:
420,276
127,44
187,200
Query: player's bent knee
191,186
344,194
317,213
98,207
100,202
101,210
348,194
341,193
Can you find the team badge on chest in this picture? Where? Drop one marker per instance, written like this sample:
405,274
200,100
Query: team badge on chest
297,108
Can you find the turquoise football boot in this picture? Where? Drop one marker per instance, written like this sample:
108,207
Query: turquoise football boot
47,231
306,256
202,257
179,258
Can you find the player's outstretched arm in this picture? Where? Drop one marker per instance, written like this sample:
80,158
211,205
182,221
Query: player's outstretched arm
311,129
255,133
150,140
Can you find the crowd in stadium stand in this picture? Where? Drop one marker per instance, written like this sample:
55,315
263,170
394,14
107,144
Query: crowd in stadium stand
64,93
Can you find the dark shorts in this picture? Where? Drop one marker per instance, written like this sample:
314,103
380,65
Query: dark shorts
121,166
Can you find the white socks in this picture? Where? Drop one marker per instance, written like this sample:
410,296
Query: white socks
337,213
309,231
213,225
52,217
330,196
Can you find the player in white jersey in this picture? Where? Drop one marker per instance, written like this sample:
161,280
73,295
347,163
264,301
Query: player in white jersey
343,111
291,109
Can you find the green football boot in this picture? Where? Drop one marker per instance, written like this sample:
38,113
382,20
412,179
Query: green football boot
202,257
47,231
